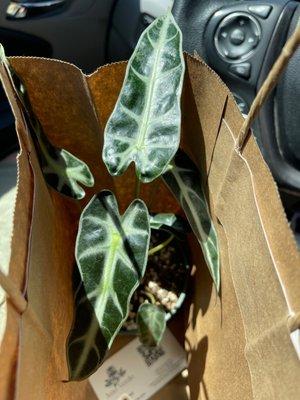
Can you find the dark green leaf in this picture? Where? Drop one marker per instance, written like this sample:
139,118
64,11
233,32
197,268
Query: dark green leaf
85,321
171,223
111,253
184,180
145,124
151,321
62,170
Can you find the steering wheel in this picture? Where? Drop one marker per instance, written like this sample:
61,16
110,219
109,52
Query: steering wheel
241,40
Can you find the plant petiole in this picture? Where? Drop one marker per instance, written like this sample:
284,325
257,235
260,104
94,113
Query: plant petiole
160,246
150,296
137,187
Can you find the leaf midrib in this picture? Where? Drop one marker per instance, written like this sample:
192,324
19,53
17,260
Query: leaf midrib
150,89
107,277
93,328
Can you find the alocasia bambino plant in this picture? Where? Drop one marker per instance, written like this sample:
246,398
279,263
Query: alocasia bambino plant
112,249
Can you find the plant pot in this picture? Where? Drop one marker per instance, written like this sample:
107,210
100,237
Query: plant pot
178,262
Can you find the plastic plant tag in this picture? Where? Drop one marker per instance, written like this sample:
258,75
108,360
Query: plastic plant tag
136,372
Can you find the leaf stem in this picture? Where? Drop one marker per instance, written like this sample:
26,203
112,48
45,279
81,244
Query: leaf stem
150,296
137,187
154,192
160,246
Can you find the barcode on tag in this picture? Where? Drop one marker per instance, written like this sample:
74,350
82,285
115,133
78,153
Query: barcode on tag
150,354
136,372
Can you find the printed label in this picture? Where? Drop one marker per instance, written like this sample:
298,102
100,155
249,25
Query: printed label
136,372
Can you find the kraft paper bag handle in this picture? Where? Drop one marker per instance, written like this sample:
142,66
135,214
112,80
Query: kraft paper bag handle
287,52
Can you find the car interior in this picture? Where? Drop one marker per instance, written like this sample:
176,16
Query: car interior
239,39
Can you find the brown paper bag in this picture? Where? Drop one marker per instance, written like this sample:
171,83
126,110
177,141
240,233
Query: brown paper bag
238,342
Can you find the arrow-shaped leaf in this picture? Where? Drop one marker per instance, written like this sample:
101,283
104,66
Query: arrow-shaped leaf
184,180
145,124
170,223
151,321
62,170
111,254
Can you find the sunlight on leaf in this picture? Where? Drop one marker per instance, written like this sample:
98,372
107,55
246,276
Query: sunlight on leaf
144,127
